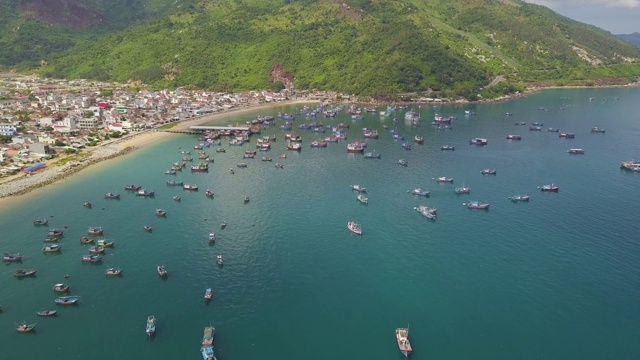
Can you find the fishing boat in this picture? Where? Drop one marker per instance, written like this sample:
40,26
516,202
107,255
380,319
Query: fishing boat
519,198
520,123
87,204
67,300
148,228
190,187
294,146
208,193
170,172
55,232
403,162
418,139
514,137
52,248
93,258
61,288
151,325
113,272
246,199
444,179
406,146
174,182
25,328
41,221
279,166
162,272
420,192
478,205
630,166
363,199
220,150
241,165
47,313
207,353
208,294
576,151
111,195
208,336
549,188
161,212
478,141
598,130
223,225
354,227
447,147
145,193
425,209
132,187
219,260
488,171
104,243
358,188
201,167
535,128
372,155
553,130
212,237
95,230
355,147
231,171
11,257
429,215
176,198
50,240
96,250
266,158
402,338
20,273
567,135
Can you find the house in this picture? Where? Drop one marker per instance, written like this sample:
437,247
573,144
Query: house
40,149
8,129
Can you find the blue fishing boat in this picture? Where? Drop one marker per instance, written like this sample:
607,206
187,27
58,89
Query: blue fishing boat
151,325
67,300
207,353
92,258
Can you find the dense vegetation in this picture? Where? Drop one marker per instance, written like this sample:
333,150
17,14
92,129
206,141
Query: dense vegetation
371,47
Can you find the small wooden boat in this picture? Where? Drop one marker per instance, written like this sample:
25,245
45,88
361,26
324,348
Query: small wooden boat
67,300
148,228
403,162
576,151
55,233
354,227
246,199
223,225
151,325
145,193
266,158
488,171
283,156
363,199
20,273
162,272
61,288
176,198
208,193
113,272
190,187
402,338
161,212
279,166
220,150
104,243
47,313
212,237
241,165
219,260
418,139
52,248
477,205
208,294
41,221
519,198
94,258
50,240
87,204
463,190
95,230
96,250
24,328
549,188
12,257
447,147
85,240
132,187
420,192
359,188
598,130
514,137
444,179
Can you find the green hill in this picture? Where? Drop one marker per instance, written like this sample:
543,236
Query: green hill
371,47
631,38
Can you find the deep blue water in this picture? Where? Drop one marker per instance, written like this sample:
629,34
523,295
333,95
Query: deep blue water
555,278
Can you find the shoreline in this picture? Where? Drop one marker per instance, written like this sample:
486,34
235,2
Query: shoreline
24,186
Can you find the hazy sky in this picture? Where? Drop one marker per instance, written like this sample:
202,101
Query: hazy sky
616,16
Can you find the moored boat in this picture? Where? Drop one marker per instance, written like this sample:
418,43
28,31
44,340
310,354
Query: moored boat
246,199
208,294
488,171
52,248
201,167
355,147
447,147
358,188
402,338
25,328
208,336
111,195
418,139
41,221
113,272
219,259
162,272
212,237
406,146
87,204
514,137
372,155
363,199
354,227
420,192
47,313
519,198
549,188
96,250
93,258
161,212
478,141
104,243
151,325
576,151
67,300
318,144
294,146
403,162
61,288
95,230
478,205
132,187
174,182
208,193
55,232
241,165
176,198
463,190
266,158
596,129
12,257
190,187
444,179
20,273
85,240
145,193
207,353
223,225
51,239
148,228
630,166
567,135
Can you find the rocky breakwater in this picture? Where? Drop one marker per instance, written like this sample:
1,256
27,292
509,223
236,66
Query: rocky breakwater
27,182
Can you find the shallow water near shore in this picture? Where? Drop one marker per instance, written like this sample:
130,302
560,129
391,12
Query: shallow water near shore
554,278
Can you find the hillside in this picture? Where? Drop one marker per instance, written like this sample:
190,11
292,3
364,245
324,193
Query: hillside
372,47
631,38
32,30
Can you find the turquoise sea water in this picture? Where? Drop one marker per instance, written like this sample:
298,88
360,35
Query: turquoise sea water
555,278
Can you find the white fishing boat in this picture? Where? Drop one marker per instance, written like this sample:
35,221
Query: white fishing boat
354,227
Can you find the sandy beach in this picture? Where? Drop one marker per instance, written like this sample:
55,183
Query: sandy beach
22,187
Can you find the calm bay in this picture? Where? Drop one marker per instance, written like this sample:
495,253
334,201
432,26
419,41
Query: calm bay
554,278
